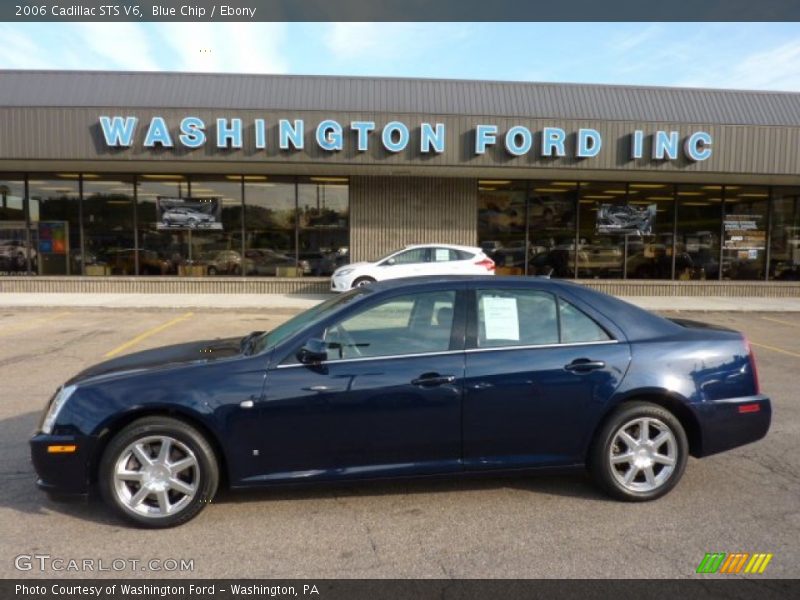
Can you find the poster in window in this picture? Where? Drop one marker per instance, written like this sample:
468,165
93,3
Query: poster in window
744,232
626,219
188,213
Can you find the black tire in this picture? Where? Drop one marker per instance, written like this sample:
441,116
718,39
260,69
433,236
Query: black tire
655,479
363,281
212,271
204,476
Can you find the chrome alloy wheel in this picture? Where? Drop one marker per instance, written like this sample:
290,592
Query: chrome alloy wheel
643,454
156,476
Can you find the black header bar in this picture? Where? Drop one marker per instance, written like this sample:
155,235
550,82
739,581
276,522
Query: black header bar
399,10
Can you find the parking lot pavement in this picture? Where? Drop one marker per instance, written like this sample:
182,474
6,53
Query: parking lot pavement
746,500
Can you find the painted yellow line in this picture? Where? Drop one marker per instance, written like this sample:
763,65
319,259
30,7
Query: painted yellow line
22,326
774,349
147,334
781,321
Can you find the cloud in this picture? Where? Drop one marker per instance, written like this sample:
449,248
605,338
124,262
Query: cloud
203,47
773,69
225,47
123,46
383,41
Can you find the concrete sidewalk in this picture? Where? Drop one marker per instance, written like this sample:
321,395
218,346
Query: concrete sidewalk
295,302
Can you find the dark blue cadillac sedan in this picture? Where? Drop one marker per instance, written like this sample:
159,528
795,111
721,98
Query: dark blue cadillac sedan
411,377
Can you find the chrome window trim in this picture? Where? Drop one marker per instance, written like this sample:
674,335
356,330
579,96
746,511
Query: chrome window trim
535,346
449,352
363,358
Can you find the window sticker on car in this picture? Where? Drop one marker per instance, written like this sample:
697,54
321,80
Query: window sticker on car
442,255
501,318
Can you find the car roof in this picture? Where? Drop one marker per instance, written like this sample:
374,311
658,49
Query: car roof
436,245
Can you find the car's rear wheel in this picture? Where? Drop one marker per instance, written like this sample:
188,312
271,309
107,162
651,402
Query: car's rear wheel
640,453
158,472
362,281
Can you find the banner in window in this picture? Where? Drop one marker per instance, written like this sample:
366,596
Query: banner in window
188,213
626,219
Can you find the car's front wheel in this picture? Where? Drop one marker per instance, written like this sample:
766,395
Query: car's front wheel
158,472
362,281
640,453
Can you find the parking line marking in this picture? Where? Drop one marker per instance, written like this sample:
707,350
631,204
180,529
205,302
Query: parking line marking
781,321
147,334
774,349
16,327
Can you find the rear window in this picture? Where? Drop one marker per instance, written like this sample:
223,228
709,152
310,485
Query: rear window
578,327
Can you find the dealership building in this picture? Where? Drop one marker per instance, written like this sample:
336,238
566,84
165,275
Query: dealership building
173,182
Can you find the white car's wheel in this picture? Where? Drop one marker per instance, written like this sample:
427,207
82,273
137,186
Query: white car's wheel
362,281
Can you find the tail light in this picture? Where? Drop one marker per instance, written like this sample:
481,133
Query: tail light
487,263
753,366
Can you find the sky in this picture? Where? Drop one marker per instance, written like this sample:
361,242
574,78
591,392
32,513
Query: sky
761,56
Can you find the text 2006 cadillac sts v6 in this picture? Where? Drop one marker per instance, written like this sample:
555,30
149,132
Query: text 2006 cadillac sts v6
411,377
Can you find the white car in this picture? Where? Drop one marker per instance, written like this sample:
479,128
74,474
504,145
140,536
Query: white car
414,261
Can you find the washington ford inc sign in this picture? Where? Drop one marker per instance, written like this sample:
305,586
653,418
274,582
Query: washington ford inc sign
394,137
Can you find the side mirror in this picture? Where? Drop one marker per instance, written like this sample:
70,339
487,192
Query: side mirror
313,351
389,262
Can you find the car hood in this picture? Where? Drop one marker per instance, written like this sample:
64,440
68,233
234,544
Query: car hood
355,265
165,356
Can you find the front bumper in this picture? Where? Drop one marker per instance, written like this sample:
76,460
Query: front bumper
62,474
732,422
340,284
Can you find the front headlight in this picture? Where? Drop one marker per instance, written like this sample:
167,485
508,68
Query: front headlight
55,407
343,272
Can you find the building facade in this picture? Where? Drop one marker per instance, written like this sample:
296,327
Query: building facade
157,175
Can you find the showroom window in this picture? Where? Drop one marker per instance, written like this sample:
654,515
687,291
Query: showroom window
163,247
604,226
502,217
216,242
784,255
324,244
650,256
16,237
108,225
699,226
552,217
270,227
744,230
55,215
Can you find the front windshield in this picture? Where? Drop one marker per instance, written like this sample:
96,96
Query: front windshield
305,318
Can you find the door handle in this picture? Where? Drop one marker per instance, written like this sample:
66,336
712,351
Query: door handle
584,365
432,379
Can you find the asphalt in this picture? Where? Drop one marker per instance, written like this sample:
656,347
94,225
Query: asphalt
745,500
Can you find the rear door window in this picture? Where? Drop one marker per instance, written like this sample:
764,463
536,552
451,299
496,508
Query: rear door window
516,318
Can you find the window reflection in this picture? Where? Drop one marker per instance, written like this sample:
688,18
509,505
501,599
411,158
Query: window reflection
501,224
270,220
16,254
216,251
698,239
601,252
784,264
650,256
552,209
323,217
161,251
54,205
744,247
107,225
